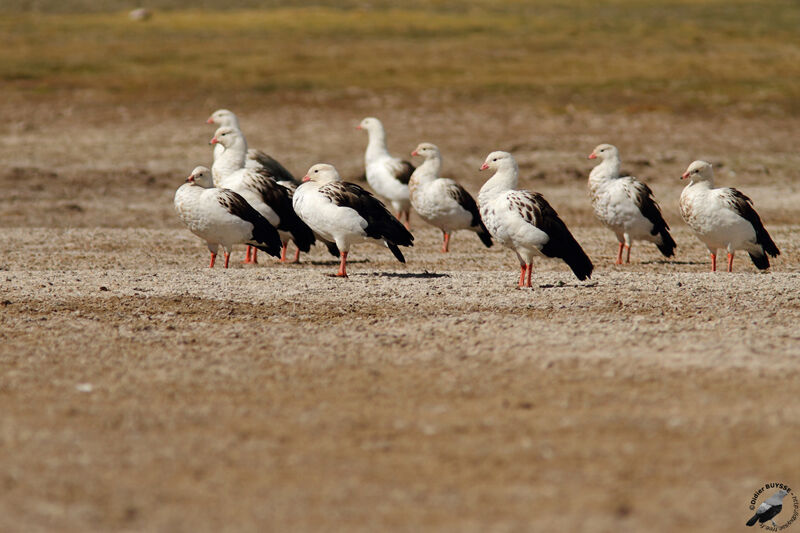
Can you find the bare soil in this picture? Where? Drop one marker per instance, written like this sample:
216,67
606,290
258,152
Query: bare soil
142,391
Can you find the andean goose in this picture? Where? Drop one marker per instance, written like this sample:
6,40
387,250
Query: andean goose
525,222
724,218
626,205
260,189
442,202
347,214
222,217
255,159
388,176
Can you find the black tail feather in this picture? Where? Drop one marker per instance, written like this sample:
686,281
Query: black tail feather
753,520
332,248
579,262
565,247
396,251
766,242
483,235
667,244
760,261
393,230
302,235
266,238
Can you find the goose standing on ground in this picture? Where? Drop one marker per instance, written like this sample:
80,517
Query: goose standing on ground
222,217
724,218
442,202
255,159
260,189
346,214
388,176
626,205
525,222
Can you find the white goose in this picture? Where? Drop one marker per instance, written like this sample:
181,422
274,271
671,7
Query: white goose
525,222
626,205
256,159
346,214
260,189
222,217
388,176
442,202
724,218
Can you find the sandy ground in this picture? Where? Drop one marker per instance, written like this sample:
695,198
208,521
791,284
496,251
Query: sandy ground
142,391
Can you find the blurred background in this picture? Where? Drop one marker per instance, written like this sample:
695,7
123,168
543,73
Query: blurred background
443,400
698,56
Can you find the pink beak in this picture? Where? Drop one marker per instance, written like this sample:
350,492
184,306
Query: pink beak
190,179
213,141
210,120
306,178
359,127
685,175
414,153
484,167
592,156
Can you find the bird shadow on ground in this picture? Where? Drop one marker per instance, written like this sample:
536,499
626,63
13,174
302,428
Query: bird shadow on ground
332,262
672,262
422,275
561,284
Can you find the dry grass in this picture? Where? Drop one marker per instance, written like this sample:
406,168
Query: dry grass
706,56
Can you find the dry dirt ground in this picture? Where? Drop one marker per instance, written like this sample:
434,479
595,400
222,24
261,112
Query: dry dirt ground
141,391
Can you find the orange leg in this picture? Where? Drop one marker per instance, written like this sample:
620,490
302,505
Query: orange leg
628,255
296,256
283,252
255,255
342,270
522,270
227,257
619,254
213,258
446,243
247,258
528,275
730,262
407,215
713,262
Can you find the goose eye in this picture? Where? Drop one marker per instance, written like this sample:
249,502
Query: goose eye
316,171
495,159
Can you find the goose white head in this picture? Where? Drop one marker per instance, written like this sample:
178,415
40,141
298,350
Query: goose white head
226,136
223,117
322,173
699,171
498,161
201,176
604,151
371,124
426,150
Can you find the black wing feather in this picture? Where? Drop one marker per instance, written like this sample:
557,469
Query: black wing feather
272,168
465,200
264,237
770,513
406,170
381,224
280,200
643,197
743,206
537,211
